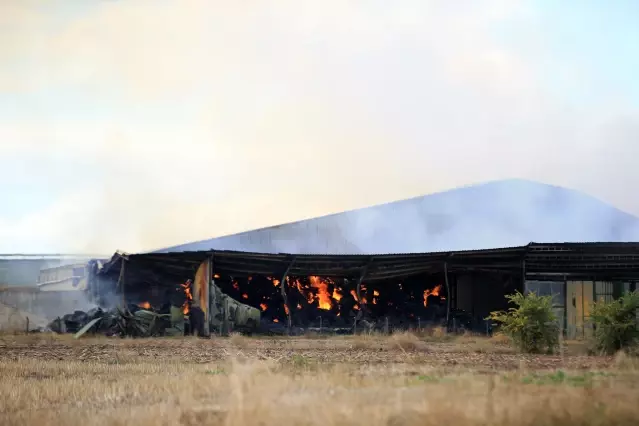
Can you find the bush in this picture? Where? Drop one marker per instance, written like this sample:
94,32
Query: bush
616,323
532,324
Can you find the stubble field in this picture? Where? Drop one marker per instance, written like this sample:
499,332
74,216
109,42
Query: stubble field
363,380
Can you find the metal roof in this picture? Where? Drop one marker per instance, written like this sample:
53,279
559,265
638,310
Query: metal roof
24,256
496,214
606,258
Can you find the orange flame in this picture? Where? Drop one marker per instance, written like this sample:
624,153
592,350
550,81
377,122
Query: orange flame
276,282
336,295
216,276
354,294
264,306
323,295
189,297
433,292
245,296
375,293
144,305
276,320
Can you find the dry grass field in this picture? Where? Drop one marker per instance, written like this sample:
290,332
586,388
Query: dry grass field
364,380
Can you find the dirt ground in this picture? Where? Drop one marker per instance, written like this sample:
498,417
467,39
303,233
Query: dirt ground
397,380
473,353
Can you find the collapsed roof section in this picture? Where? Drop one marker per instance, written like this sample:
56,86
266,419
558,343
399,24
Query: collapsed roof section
618,261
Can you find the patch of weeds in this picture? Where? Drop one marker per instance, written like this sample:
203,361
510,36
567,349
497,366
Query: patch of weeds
217,371
421,379
301,362
559,377
428,379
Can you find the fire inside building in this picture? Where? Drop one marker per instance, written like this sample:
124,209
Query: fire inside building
286,292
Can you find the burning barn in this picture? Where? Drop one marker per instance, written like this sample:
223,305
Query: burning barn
219,291
340,271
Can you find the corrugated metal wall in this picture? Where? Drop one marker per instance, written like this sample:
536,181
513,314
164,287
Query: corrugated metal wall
580,296
70,277
23,272
48,304
604,291
573,301
26,272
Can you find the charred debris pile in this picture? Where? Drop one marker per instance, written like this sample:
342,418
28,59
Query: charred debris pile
176,317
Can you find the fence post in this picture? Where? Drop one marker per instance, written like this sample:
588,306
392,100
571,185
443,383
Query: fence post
561,344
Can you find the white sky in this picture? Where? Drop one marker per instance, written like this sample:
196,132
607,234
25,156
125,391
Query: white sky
141,124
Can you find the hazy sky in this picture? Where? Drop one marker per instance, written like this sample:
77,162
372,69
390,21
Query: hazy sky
140,124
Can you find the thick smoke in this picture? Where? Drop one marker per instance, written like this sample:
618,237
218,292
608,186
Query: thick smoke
137,125
497,214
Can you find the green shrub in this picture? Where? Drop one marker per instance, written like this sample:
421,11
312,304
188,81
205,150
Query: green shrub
532,324
616,323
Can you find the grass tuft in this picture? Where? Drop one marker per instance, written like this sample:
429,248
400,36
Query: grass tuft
406,341
239,341
624,361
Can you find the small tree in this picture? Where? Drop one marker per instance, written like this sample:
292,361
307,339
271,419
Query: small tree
532,324
616,323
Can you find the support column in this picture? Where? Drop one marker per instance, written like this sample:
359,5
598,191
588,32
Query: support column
283,290
207,298
360,313
225,316
212,305
121,284
447,295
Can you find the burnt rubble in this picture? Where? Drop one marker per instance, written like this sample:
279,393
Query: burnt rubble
178,316
131,321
